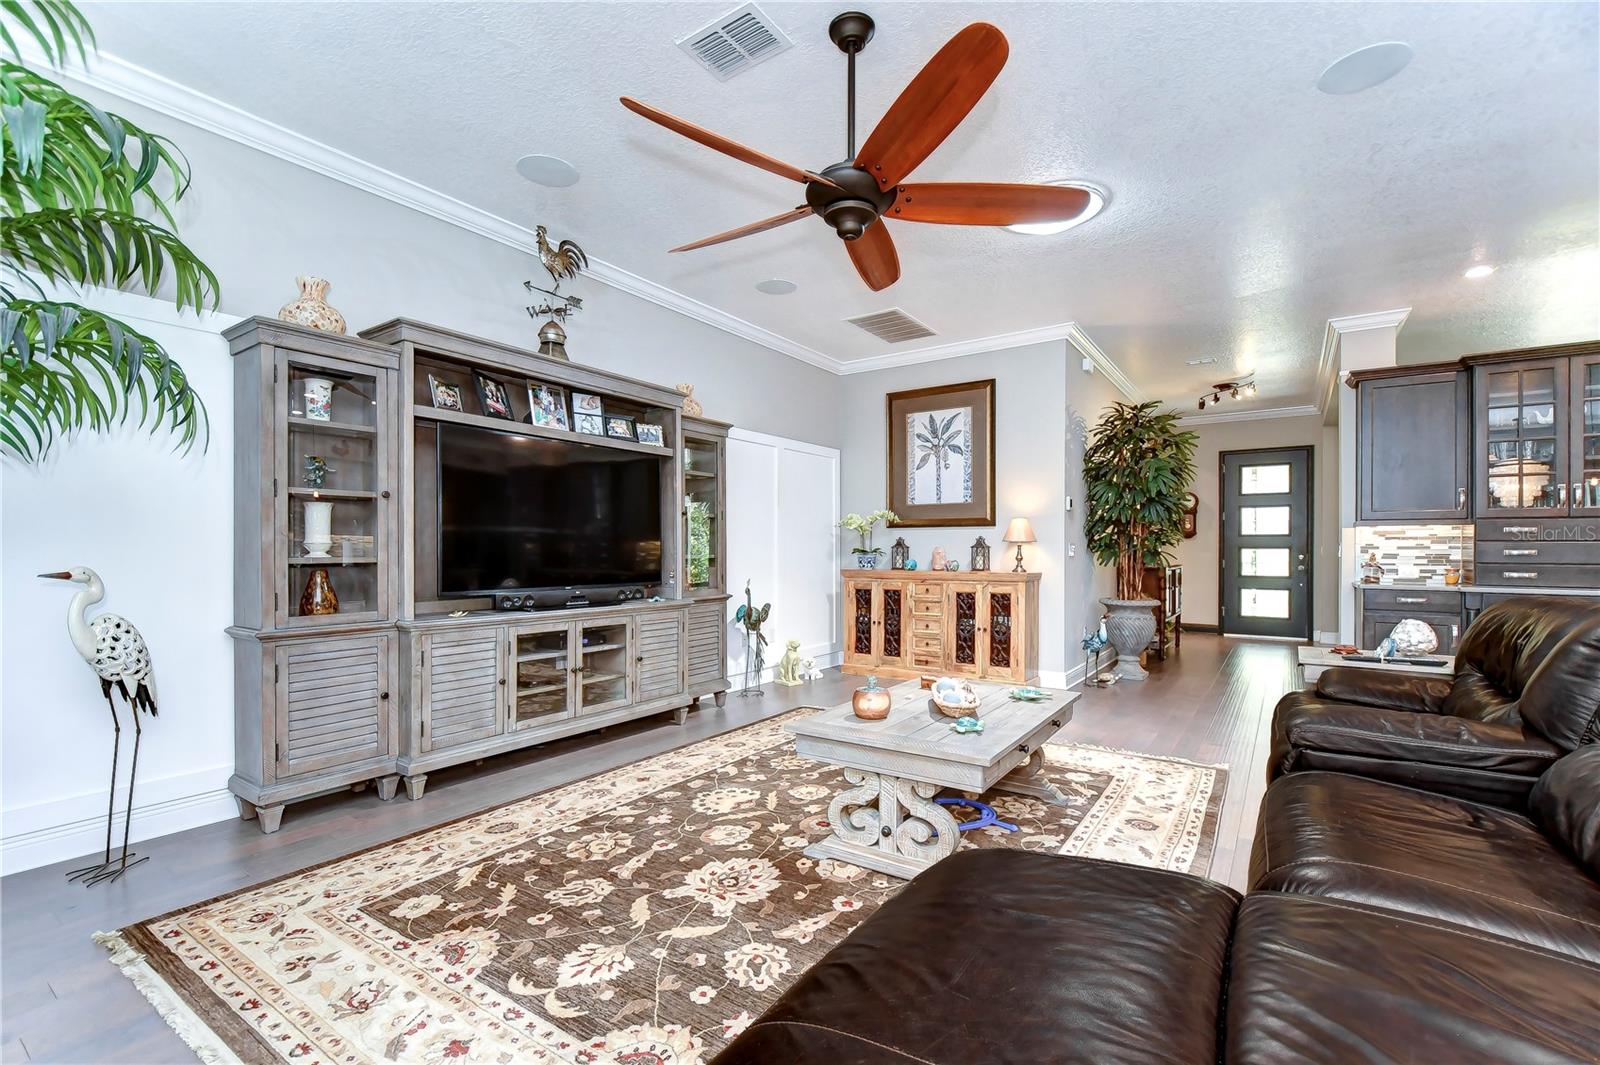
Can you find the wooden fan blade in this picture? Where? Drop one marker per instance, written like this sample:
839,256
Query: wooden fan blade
935,102
718,142
974,203
876,260
754,227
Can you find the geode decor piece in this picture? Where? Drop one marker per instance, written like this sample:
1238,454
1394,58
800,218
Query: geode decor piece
1413,638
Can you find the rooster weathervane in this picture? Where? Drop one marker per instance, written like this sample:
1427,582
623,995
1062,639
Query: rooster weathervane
563,261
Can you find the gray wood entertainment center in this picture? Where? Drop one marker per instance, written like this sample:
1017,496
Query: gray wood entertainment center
399,681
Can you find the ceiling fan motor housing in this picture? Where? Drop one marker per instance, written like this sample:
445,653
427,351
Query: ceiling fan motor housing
854,205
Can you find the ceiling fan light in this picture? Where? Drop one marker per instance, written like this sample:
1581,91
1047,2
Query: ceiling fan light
1202,403
1235,393
1097,202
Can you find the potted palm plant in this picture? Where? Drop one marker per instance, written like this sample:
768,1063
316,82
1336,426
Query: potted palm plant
862,525
90,200
1136,469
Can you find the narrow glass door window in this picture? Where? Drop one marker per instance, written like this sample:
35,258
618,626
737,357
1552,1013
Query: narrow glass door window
1000,630
603,667
701,476
543,677
1586,483
333,479
1522,467
966,649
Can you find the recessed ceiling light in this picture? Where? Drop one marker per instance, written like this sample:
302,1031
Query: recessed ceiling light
547,170
776,286
1203,360
1365,67
1097,201
1479,271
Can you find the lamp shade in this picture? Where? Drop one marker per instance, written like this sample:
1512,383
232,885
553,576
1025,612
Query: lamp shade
1020,531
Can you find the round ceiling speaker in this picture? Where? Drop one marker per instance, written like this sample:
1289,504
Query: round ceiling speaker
1365,67
547,170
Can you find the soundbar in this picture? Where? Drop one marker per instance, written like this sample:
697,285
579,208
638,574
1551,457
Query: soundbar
561,599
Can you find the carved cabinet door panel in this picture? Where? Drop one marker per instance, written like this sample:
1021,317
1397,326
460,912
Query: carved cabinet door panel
894,625
964,635
1000,634
860,646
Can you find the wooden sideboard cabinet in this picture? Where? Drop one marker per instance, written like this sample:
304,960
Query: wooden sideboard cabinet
905,623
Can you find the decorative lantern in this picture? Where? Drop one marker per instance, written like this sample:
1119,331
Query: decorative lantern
899,554
980,555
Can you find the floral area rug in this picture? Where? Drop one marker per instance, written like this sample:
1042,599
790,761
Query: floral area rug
643,916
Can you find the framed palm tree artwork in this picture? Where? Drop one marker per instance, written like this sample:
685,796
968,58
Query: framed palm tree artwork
941,455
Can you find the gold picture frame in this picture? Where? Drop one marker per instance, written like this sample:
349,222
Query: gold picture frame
940,467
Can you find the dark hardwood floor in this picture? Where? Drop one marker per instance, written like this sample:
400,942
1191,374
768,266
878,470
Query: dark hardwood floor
62,1001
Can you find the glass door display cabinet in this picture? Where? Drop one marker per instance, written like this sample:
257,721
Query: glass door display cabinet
332,491
604,672
542,671
1522,425
704,505
1585,380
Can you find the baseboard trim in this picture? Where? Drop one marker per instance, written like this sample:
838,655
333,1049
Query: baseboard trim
1212,629
76,833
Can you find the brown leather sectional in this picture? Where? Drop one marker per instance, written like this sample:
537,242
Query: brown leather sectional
1386,922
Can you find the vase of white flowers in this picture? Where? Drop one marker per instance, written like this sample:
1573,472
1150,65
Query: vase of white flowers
862,526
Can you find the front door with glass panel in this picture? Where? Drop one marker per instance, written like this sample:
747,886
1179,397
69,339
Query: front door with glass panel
1266,543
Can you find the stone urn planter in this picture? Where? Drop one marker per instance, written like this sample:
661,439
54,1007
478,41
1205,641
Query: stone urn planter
1130,625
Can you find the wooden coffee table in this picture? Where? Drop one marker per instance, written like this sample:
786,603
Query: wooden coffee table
886,818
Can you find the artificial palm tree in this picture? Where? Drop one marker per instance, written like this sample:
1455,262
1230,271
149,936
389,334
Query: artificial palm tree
86,198
1136,469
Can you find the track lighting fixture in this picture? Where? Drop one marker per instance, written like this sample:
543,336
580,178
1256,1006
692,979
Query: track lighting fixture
1233,389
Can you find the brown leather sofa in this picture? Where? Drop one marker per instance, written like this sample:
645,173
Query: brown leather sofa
1525,691
1385,924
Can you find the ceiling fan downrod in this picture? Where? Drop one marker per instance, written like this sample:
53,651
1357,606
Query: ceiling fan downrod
850,32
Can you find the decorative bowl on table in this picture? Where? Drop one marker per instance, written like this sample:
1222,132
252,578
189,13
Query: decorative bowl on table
872,702
1413,638
954,698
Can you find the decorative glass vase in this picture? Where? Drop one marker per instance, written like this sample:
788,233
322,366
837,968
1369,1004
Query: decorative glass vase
319,596
311,309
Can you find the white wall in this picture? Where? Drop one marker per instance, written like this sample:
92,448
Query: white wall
157,527
783,508
1044,406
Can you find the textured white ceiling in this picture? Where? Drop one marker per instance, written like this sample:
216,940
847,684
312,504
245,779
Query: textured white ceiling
1246,208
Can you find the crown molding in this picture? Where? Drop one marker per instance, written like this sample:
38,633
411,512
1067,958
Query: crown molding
1255,415
1102,362
1328,360
111,74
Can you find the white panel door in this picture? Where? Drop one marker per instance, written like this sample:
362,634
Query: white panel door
783,504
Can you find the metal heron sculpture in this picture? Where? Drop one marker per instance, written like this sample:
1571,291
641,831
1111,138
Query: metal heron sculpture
121,659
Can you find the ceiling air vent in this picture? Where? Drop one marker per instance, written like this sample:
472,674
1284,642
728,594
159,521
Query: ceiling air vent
893,325
735,42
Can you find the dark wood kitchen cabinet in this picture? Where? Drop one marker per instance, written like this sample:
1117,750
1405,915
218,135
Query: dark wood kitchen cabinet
1414,448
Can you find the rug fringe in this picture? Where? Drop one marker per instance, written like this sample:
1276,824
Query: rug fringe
176,1012
1139,754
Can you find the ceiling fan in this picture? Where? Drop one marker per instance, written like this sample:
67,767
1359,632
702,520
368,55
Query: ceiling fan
857,195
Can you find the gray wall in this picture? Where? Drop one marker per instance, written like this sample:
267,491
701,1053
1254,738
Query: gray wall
1038,390
1199,556
259,221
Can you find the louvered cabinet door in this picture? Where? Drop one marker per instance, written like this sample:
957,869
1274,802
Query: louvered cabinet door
463,688
660,656
708,661
332,703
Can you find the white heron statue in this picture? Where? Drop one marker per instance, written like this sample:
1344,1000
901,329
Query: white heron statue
121,659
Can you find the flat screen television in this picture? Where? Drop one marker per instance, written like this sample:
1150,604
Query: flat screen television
521,513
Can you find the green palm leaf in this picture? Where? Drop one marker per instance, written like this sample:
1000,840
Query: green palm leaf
86,199
69,367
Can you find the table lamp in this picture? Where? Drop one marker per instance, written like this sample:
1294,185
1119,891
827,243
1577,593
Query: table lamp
1019,532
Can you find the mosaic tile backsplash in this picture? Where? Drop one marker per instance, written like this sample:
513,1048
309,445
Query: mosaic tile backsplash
1416,552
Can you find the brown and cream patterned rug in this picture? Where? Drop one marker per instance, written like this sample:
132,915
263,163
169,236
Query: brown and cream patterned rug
643,916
